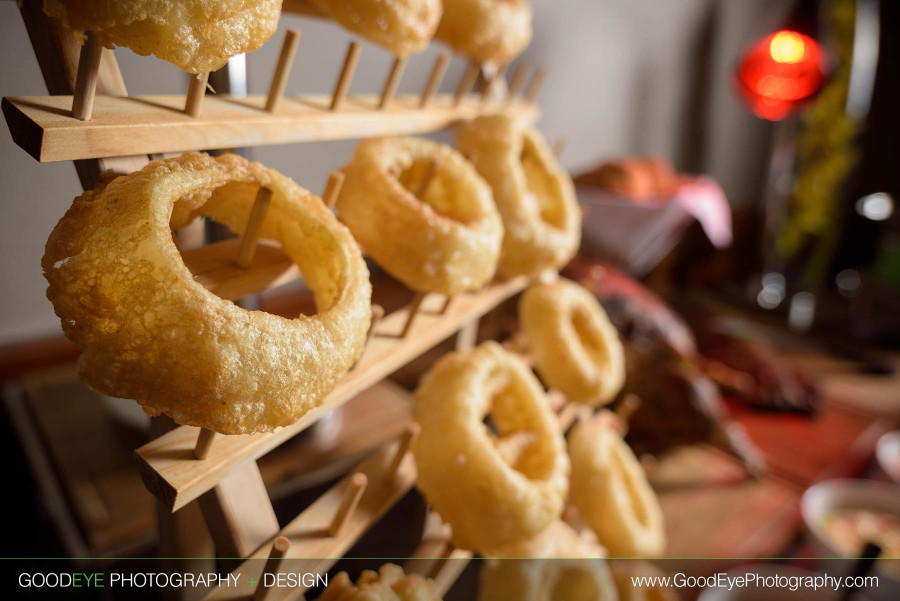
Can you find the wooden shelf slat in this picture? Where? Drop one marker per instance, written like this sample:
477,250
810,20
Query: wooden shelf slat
127,125
167,465
312,549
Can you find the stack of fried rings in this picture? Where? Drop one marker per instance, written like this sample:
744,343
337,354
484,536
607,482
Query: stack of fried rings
535,197
611,492
575,347
563,567
151,333
421,211
490,499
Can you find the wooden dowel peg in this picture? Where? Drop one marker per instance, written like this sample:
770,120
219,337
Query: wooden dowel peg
433,166
446,304
343,83
535,86
254,225
407,440
354,492
466,82
413,311
467,335
282,69
517,81
195,94
434,79
279,551
333,188
627,408
86,78
559,146
390,85
491,84
204,443
377,315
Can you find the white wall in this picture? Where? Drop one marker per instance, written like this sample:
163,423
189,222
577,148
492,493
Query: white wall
621,74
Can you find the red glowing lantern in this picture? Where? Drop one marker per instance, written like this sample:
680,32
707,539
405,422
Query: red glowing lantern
778,73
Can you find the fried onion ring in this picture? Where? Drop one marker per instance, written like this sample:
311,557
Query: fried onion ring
388,584
490,495
563,568
402,26
611,491
445,238
535,197
575,347
196,35
486,30
150,332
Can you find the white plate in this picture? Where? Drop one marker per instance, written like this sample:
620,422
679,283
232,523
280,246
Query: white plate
888,454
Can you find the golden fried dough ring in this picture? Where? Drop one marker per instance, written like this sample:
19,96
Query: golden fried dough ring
486,30
610,490
388,584
624,570
151,333
534,195
563,568
490,498
445,238
575,347
196,35
402,26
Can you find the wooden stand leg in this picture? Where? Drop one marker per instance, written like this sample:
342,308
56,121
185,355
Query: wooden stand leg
377,315
196,92
254,225
355,489
279,551
239,513
466,83
434,80
86,79
282,69
413,311
491,84
390,86
517,81
343,83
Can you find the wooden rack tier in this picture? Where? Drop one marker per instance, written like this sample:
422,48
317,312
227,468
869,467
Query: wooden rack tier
128,125
93,121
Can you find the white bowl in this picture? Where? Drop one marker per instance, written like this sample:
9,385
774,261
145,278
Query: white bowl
820,500
888,454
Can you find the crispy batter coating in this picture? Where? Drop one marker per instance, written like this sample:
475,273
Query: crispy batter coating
624,570
151,333
555,565
575,347
196,35
535,197
445,238
486,30
611,491
493,489
388,584
402,26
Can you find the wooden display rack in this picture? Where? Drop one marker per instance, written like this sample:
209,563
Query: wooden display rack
91,120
